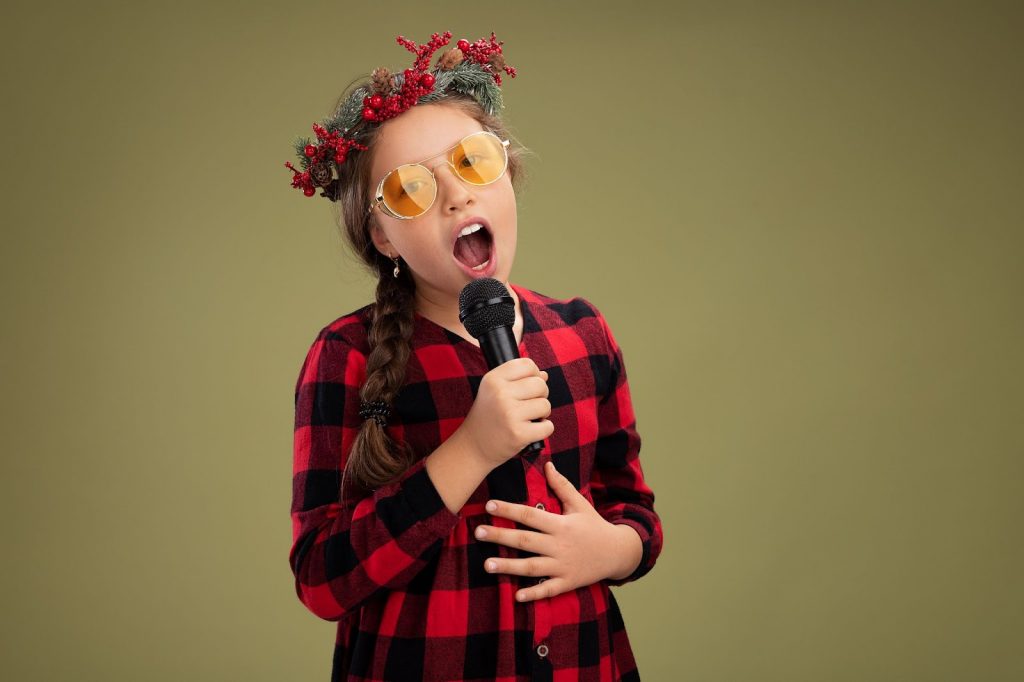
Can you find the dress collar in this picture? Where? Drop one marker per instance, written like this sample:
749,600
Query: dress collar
433,331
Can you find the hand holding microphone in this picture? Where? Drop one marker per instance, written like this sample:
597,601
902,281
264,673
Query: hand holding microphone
508,412
511,405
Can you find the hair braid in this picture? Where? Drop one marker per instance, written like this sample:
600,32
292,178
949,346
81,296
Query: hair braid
390,330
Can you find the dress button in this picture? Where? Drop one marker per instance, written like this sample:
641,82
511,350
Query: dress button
542,650
539,505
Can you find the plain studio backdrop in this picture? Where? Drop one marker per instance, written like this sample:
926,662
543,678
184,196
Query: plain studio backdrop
801,219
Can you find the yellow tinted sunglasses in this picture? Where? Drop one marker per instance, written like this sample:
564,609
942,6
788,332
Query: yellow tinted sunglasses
409,190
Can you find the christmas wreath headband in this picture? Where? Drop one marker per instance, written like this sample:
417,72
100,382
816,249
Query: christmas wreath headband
470,68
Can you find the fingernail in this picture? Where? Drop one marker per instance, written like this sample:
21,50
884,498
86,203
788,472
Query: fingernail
491,565
481,532
492,505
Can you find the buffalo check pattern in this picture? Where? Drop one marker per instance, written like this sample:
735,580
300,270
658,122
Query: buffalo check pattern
401,574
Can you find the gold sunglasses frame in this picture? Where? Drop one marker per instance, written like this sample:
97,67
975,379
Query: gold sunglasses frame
378,199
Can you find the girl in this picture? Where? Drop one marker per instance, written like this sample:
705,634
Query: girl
442,550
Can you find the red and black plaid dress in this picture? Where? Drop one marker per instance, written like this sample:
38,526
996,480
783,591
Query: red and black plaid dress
401,574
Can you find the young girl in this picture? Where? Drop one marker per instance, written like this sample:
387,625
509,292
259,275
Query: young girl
441,548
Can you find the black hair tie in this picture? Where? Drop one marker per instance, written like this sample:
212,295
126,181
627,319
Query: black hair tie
377,409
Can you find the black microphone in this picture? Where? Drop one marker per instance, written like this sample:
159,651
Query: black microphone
488,312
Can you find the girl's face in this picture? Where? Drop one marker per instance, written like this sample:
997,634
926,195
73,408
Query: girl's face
426,243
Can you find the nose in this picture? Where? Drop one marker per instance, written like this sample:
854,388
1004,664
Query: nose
453,191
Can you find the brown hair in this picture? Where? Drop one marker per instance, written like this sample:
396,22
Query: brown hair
376,459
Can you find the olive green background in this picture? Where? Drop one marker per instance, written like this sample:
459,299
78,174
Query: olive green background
798,218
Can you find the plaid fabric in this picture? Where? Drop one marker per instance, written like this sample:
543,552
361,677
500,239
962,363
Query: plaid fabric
400,573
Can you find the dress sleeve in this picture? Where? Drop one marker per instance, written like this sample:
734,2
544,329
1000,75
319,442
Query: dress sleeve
617,484
343,555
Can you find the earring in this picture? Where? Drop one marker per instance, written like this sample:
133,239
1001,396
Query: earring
395,258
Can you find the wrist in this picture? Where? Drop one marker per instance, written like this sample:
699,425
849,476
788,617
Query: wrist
628,549
472,453
455,471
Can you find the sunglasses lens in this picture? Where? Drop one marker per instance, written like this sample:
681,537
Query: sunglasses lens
409,190
480,159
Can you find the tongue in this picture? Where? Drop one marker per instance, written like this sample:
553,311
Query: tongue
473,249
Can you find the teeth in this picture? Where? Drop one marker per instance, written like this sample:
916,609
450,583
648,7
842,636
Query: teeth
482,265
470,229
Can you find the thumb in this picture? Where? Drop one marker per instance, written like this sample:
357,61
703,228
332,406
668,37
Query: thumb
562,486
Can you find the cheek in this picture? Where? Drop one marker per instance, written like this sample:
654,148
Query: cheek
506,197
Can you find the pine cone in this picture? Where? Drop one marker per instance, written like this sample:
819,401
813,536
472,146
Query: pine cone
450,58
332,190
383,81
497,61
320,173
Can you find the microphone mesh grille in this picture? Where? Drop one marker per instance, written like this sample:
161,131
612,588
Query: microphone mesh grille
502,314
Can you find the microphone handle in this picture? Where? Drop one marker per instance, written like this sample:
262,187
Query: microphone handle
499,346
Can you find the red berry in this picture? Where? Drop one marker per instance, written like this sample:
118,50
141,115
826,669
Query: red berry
310,150
427,80
463,44
376,101
368,114
308,191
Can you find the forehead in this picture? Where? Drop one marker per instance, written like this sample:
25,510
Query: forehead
420,132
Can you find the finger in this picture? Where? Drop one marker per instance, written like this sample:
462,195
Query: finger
559,481
526,540
543,428
533,567
535,408
562,486
528,387
549,588
527,515
518,368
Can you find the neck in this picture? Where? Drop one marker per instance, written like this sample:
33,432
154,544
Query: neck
444,310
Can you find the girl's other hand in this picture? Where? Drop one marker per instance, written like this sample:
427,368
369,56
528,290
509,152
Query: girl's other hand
574,549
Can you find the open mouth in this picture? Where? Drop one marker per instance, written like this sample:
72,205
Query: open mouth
474,250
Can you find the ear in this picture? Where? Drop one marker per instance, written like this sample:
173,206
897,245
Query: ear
380,240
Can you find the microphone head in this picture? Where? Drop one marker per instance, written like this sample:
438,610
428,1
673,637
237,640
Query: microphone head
485,304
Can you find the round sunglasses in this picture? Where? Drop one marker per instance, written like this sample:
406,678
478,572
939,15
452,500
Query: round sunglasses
409,190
